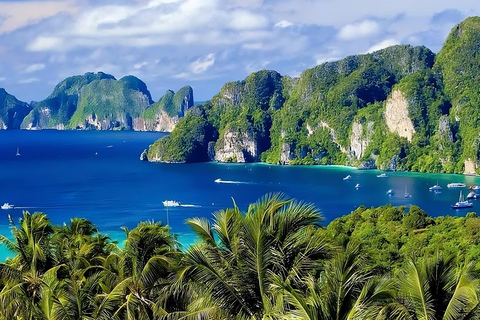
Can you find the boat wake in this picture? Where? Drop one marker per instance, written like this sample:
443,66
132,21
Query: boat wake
190,206
230,181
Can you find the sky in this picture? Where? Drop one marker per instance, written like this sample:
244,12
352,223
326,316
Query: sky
203,43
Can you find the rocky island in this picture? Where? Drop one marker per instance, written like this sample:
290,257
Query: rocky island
400,108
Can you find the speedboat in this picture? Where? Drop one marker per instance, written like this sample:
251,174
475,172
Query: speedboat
435,188
7,206
456,185
407,195
473,195
218,180
390,192
462,204
347,177
474,188
171,203
383,175
358,186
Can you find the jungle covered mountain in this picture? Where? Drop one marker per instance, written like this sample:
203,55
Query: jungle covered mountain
400,108
97,101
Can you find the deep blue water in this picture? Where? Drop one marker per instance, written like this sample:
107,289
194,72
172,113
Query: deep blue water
98,176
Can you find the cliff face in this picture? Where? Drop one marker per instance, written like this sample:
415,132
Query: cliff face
12,111
360,138
164,114
396,116
237,147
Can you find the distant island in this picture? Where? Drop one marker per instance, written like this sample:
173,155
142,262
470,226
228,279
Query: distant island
400,108
97,101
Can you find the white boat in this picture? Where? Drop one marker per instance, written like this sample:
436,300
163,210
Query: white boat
473,195
461,204
218,180
407,195
435,188
456,185
474,188
18,152
383,175
357,186
7,206
171,203
347,177
390,192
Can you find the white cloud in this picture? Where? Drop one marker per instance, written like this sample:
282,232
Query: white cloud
34,68
358,30
245,20
382,45
28,80
202,64
283,24
45,44
20,14
140,65
320,59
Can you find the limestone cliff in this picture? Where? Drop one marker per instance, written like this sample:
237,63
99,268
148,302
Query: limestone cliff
470,167
237,146
396,115
360,138
164,114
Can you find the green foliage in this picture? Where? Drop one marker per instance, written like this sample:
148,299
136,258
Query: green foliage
458,61
188,143
273,261
172,103
12,111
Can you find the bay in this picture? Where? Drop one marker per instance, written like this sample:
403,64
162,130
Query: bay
97,175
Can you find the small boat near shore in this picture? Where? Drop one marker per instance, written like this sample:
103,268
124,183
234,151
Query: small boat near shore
347,178
462,204
407,195
456,185
383,175
473,195
7,206
435,188
390,192
171,203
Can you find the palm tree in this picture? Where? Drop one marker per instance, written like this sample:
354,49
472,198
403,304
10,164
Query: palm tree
30,277
438,288
132,280
343,290
240,258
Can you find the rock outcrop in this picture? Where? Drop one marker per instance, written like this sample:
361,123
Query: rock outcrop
235,146
164,114
360,138
396,115
470,167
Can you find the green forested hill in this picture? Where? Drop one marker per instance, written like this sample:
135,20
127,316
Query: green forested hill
400,108
12,111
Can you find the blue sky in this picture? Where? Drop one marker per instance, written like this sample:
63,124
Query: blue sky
203,43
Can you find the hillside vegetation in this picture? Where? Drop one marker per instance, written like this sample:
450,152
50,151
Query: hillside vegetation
400,108
273,261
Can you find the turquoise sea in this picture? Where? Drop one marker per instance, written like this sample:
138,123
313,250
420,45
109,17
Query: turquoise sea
98,176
